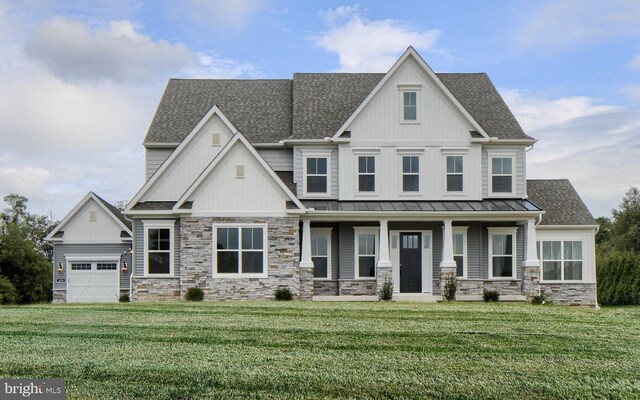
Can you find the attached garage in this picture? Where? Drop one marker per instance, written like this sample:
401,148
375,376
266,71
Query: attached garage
92,281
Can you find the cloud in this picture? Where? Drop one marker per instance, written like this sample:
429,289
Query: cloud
216,14
559,24
595,146
632,92
635,62
74,52
363,45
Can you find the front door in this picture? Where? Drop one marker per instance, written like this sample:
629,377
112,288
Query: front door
410,262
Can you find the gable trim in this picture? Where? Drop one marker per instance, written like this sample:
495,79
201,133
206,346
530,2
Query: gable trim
156,175
237,137
72,213
411,52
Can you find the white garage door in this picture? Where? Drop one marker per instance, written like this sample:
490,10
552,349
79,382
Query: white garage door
92,282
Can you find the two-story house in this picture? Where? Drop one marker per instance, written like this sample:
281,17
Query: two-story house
329,184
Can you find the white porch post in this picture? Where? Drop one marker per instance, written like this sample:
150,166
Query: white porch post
383,268
447,245
531,264
531,258
306,263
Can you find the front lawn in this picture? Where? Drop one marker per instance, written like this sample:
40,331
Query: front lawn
325,350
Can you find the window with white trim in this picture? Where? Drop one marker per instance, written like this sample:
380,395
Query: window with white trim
410,105
501,174
240,249
561,260
502,253
366,252
366,173
455,173
321,252
410,173
316,175
460,250
159,247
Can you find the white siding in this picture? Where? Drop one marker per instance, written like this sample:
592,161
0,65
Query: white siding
193,159
154,159
333,170
222,192
587,236
278,159
520,172
80,229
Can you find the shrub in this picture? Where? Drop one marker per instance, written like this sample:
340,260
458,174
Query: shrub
386,292
490,295
618,277
450,286
124,298
539,299
194,294
283,294
8,292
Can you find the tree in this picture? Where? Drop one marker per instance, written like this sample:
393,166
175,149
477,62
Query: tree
35,227
625,232
604,233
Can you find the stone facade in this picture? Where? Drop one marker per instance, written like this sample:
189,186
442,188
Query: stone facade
59,296
283,261
357,287
531,280
383,273
325,288
571,294
155,289
444,272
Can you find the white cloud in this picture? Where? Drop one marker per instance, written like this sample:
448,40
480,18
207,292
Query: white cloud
635,62
558,24
595,146
632,92
363,45
216,14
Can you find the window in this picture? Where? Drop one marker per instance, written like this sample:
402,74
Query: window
502,175
158,257
316,175
107,266
460,250
410,173
81,267
366,252
454,173
561,260
366,174
502,253
410,106
321,252
240,249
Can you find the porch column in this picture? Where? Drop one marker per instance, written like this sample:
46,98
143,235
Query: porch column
531,264
448,264
306,263
383,270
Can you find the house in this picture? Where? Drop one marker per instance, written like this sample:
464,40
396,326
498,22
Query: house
330,184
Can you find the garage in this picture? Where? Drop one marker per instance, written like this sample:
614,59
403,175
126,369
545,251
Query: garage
92,281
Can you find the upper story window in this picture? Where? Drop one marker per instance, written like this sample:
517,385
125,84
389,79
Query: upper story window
502,253
410,173
240,249
366,173
561,260
158,256
410,106
321,252
316,175
455,173
501,175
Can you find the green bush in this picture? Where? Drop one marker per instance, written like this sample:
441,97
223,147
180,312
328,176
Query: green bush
124,298
386,292
194,294
618,277
490,295
450,286
283,294
539,299
8,292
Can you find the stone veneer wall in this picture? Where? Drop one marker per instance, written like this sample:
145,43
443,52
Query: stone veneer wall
325,288
283,261
155,289
572,294
357,287
59,296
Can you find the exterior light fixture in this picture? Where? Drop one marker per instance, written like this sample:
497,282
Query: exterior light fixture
60,268
124,266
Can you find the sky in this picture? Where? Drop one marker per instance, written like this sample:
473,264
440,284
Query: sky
80,80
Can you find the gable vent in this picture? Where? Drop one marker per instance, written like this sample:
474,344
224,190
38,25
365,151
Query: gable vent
93,216
239,171
215,139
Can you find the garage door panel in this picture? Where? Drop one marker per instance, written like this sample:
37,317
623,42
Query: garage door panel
93,282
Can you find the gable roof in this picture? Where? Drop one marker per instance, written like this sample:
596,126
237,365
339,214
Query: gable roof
114,213
560,201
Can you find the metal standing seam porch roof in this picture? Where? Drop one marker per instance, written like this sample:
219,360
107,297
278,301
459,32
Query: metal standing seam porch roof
493,205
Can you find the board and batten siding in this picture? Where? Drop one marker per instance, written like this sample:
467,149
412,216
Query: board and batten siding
298,177
520,170
278,159
80,228
61,251
139,247
154,159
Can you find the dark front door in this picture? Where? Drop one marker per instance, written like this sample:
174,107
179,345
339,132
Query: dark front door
410,262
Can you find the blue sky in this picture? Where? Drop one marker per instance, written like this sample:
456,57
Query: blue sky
81,80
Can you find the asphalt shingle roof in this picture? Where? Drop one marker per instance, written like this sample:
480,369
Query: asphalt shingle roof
560,201
310,106
117,213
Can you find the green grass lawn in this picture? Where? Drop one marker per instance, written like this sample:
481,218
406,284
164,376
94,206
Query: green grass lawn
325,350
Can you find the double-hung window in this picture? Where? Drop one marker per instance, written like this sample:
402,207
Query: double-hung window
158,256
502,253
317,177
321,252
366,173
410,105
561,260
455,173
501,175
240,250
460,250
366,252
410,173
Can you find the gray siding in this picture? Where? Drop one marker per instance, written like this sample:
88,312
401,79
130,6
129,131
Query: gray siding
520,177
474,249
519,249
139,247
154,159
298,169
62,250
278,159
